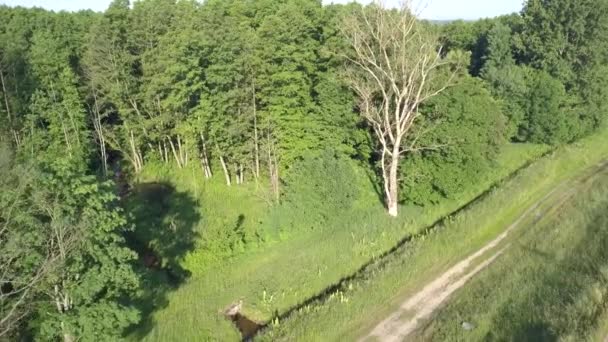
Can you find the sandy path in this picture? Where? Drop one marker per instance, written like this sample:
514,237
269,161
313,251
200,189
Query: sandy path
419,308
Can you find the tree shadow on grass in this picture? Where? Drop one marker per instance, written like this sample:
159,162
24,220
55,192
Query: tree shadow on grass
165,230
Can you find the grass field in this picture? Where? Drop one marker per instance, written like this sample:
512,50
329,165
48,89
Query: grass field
271,273
357,305
551,283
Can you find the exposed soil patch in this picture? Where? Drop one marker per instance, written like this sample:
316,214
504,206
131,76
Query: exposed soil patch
246,326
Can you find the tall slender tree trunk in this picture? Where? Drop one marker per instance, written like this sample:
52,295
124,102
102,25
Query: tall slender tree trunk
9,113
177,159
140,159
100,136
237,175
66,138
225,168
166,159
275,179
8,107
205,159
273,172
255,136
181,152
136,154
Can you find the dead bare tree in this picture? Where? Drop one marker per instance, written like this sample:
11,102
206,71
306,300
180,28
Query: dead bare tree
97,117
392,67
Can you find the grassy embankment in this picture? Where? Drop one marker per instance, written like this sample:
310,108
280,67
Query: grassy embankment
179,214
551,284
358,304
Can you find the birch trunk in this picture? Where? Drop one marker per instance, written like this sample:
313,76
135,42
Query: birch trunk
225,168
392,195
205,159
273,171
100,136
255,137
237,175
8,110
8,107
166,159
177,159
181,151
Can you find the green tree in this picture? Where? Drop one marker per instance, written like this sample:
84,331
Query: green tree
550,118
468,127
507,81
82,268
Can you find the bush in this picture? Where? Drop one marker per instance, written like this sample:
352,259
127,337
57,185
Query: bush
316,189
469,128
550,118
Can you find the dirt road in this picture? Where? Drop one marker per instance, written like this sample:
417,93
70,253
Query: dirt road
419,308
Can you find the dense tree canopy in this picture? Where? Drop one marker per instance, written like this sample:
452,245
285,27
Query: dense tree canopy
262,91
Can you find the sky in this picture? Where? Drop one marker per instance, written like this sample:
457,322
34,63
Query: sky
431,9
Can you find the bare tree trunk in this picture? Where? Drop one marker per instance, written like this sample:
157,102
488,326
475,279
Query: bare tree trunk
273,172
181,152
185,153
204,166
205,159
226,174
8,108
166,151
242,173
16,137
177,159
273,166
140,159
237,175
100,137
392,196
275,179
256,142
137,163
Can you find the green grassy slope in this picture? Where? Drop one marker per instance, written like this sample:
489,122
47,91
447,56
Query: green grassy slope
551,284
275,273
357,305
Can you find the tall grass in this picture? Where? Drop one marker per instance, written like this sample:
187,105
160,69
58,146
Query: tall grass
360,303
274,272
552,284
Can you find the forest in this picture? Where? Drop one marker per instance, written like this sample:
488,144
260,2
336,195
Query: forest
167,160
